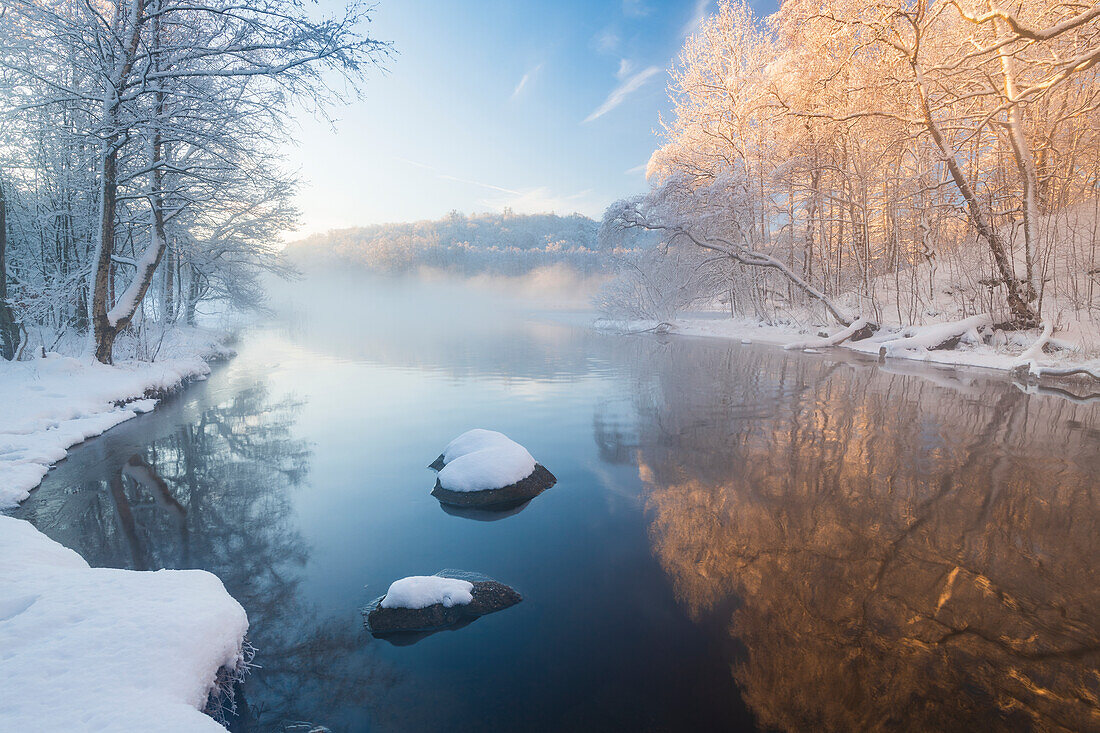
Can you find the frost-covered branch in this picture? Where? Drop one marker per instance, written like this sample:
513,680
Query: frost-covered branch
675,201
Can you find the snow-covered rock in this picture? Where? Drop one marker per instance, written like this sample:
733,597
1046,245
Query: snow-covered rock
424,603
484,467
100,649
481,460
488,468
420,591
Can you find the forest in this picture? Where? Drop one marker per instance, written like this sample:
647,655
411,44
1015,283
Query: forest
498,244
140,155
899,161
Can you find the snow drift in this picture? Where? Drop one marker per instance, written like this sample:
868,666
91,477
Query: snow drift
100,649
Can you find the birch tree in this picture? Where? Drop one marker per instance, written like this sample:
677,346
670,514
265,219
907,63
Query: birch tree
9,331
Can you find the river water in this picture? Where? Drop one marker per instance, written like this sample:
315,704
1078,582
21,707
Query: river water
740,538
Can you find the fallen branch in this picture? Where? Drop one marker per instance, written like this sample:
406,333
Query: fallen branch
1066,372
1036,349
935,336
837,338
632,217
662,327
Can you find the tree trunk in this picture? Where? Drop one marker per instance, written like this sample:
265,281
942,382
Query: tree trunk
105,324
1025,165
193,292
1023,316
169,293
103,331
9,329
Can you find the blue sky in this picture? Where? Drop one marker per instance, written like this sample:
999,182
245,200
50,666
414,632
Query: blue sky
535,105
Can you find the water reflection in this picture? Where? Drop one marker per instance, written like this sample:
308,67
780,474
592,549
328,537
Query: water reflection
485,514
883,552
863,546
214,492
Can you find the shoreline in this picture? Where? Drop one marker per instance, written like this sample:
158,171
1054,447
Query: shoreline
973,356
55,402
116,648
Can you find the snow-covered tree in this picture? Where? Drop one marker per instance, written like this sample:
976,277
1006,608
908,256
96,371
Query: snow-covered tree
170,116
901,157
499,244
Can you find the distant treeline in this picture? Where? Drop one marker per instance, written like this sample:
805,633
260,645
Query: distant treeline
505,244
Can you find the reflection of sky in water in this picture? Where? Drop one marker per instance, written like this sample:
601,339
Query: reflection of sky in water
829,540
379,453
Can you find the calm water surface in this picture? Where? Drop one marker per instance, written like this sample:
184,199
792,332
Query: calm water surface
741,537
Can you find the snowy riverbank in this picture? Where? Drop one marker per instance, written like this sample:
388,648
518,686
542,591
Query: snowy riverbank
55,402
99,649
1007,352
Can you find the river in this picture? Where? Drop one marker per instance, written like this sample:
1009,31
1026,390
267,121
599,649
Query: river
740,537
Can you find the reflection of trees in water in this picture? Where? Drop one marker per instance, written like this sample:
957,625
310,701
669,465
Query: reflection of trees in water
215,494
897,554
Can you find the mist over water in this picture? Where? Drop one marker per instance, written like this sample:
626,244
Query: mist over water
428,296
740,538
512,327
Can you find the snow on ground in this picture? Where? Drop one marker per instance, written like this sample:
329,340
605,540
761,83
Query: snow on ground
905,343
100,649
421,591
482,460
54,402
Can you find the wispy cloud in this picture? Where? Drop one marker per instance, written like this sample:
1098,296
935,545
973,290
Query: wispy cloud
629,83
635,8
540,200
606,41
448,177
697,14
523,82
523,201
644,167
413,163
472,182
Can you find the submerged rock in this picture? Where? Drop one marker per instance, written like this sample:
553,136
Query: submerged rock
522,491
486,596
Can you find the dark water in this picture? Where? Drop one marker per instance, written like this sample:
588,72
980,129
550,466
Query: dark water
740,538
